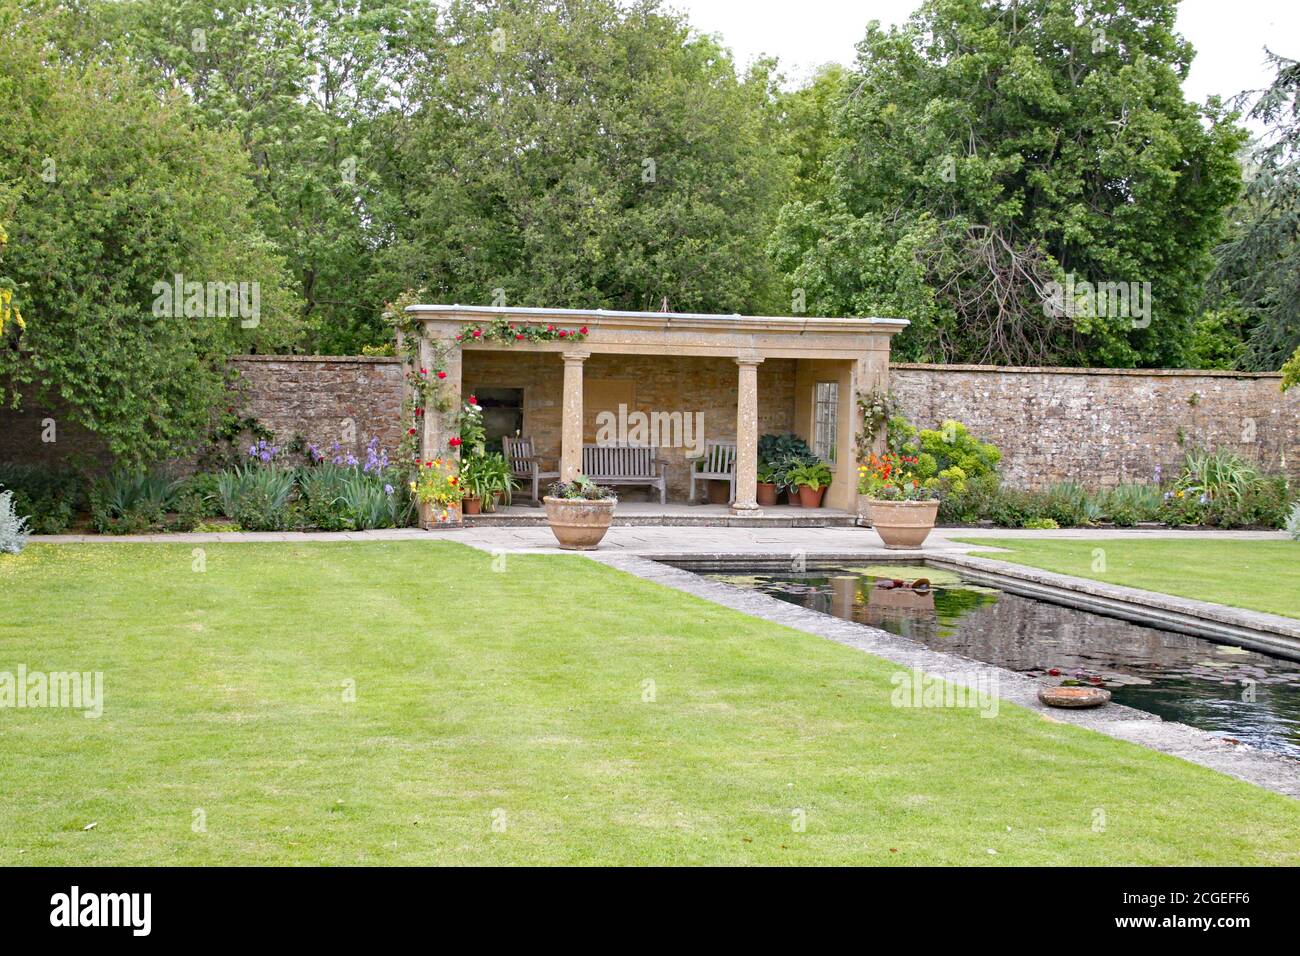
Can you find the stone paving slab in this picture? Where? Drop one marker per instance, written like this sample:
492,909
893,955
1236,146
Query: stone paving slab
1272,772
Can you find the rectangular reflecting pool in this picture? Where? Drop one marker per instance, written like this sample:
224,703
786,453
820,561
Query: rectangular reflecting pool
1236,693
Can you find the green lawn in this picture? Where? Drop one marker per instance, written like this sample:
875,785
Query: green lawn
500,716
1260,575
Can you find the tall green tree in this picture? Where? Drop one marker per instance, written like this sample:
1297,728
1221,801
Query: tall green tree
992,148
1259,266
588,153
109,191
304,84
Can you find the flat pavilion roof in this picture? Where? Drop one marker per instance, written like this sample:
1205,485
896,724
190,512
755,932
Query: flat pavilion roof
693,321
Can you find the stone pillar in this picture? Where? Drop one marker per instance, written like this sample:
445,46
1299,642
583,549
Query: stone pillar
441,424
571,421
746,436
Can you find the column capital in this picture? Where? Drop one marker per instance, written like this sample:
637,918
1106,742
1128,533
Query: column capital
749,358
575,356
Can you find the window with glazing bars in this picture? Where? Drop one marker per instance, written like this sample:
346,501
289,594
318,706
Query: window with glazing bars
826,419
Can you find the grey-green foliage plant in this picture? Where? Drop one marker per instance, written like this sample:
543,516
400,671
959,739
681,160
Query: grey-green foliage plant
13,527
1292,525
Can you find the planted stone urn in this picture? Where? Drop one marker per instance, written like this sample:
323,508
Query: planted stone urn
579,513
900,508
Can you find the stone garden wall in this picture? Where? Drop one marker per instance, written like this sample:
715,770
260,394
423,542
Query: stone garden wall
1094,425
1105,426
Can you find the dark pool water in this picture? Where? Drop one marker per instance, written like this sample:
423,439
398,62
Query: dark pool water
1230,691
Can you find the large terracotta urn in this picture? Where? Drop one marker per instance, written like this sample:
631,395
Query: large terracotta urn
902,524
579,524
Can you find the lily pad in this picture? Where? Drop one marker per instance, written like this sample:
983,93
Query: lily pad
908,572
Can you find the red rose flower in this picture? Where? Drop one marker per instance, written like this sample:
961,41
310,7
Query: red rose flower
442,374
550,328
478,333
419,413
563,333
424,371
583,330
410,431
454,442
472,400
518,336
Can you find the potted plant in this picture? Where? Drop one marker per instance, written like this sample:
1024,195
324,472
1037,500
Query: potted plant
499,483
783,452
476,484
902,507
766,484
437,489
579,512
812,479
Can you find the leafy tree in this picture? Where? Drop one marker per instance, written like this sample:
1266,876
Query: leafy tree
1260,264
113,190
993,148
587,153
303,83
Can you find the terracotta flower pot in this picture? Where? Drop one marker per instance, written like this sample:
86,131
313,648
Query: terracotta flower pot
902,524
471,506
766,493
792,497
431,515
579,524
719,492
810,498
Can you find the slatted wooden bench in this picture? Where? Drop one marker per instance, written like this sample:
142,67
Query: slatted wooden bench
719,464
626,465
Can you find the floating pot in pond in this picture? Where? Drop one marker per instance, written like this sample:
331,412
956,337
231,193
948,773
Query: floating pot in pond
1073,697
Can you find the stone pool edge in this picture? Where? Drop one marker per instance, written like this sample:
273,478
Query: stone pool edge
1276,773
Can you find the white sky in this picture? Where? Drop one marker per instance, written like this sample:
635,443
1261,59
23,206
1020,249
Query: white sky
1229,35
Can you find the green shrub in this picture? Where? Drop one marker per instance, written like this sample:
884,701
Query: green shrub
131,501
256,497
49,496
950,455
1130,503
1070,505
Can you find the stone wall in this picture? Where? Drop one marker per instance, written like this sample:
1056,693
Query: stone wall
1105,426
326,399
1093,425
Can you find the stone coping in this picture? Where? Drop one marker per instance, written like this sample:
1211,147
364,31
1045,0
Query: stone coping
309,359
1062,370
1270,633
1270,771
686,321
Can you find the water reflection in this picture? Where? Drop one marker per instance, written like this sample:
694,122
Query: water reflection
1237,693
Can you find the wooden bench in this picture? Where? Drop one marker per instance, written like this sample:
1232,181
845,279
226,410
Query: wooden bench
626,465
719,460
525,465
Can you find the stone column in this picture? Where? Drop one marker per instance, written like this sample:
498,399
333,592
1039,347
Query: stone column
571,422
440,424
746,436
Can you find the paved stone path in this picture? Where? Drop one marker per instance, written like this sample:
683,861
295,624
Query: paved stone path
659,540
